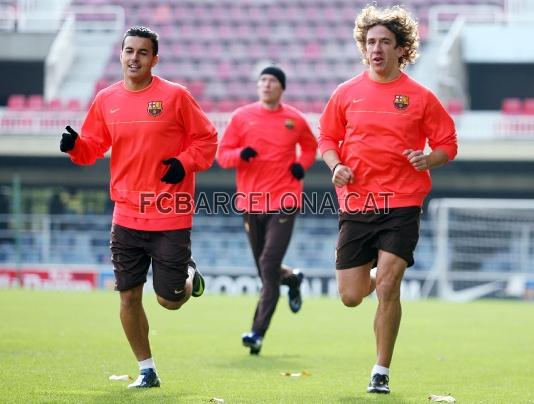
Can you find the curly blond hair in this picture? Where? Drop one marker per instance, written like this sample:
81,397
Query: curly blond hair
398,21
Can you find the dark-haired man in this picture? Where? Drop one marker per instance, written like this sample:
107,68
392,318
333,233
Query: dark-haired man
159,138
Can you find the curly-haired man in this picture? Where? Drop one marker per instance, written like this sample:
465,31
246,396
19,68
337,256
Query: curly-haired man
374,130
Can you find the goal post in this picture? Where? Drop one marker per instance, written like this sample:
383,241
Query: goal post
482,248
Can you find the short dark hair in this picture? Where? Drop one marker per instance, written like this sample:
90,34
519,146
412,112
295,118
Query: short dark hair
143,32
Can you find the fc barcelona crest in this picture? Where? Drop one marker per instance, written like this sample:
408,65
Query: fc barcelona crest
155,107
289,123
401,101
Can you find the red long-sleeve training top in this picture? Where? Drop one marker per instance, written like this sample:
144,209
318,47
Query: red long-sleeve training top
265,183
144,128
370,124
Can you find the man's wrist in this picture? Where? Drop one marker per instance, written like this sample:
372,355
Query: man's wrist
335,166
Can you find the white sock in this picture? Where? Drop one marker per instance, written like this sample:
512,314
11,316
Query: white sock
147,364
380,369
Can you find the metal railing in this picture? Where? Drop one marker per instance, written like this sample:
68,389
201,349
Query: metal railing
218,242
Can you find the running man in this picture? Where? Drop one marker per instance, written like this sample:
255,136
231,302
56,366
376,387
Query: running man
373,134
261,141
159,138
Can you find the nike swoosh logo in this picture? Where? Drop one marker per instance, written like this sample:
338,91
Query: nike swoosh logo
177,292
471,293
112,111
357,100
283,220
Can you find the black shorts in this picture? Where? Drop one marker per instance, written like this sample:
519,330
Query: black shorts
361,235
169,252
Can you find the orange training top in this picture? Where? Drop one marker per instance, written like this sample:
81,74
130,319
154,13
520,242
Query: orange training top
144,128
265,182
370,124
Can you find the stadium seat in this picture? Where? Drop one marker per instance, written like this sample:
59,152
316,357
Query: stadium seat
101,84
206,105
197,88
317,106
455,106
312,50
303,106
162,14
54,104
224,70
186,31
16,102
226,106
74,105
423,31
197,51
512,106
528,106
35,102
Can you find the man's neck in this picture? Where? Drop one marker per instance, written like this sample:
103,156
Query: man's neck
137,85
270,105
384,78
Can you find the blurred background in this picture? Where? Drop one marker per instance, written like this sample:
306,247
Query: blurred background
477,234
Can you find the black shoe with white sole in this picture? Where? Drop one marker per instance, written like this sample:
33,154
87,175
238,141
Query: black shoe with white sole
379,384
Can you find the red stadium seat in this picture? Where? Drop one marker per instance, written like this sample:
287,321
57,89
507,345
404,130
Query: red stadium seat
512,106
224,70
226,32
206,105
317,106
197,88
312,50
301,105
241,101
101,84
528,106
455,106
197,51
36,102
423,31
16,102
74,105
226,106
162,14
54,104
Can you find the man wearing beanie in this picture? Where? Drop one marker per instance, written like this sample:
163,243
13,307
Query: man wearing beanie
260,142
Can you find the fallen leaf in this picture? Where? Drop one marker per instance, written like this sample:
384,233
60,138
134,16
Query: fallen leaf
120,378
296,374
445,399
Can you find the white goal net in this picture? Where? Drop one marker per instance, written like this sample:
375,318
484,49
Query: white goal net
483,247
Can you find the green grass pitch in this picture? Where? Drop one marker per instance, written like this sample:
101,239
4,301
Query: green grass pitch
61,347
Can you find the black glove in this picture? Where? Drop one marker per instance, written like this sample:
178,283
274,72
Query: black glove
247,153
297,170
175,173
68,140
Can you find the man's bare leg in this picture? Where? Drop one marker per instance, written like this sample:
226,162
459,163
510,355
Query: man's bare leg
388,314
134,322
354,284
